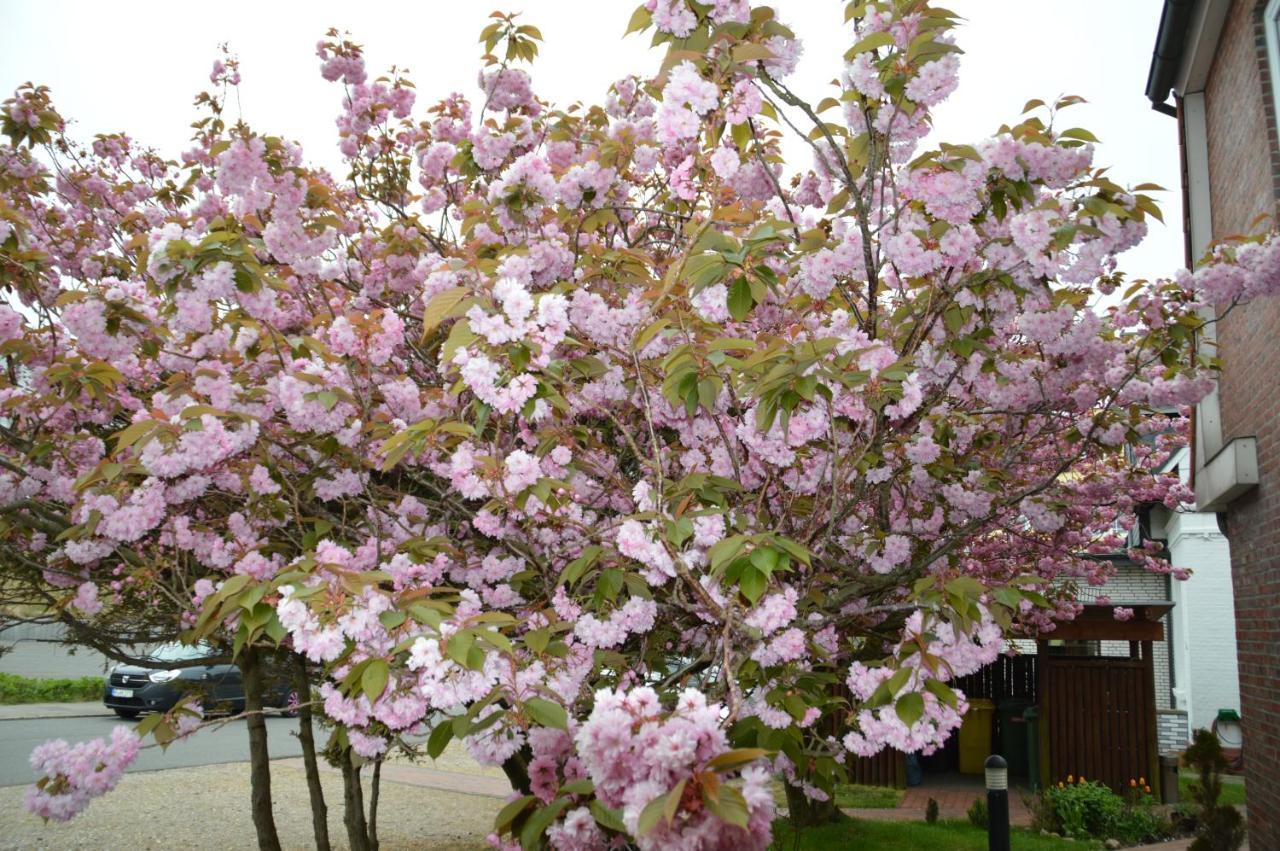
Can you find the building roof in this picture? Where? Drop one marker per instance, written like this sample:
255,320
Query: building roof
1166,57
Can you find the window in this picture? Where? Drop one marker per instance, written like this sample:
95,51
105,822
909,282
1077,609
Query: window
1271,25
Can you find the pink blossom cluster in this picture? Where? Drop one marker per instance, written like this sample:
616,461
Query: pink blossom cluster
71,776
634,751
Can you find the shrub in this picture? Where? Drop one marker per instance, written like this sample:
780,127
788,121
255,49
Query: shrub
1218,827
17,689
977,813
1080,808
931,811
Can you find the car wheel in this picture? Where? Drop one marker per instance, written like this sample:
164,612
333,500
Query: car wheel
289,704
127,714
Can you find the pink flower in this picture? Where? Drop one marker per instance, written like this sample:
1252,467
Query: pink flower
73,775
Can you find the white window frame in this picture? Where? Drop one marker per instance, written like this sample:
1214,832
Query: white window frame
1271,28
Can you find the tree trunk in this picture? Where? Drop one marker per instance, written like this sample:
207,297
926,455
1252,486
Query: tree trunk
517,770
259,758
306,736
803,811
353,805
374,785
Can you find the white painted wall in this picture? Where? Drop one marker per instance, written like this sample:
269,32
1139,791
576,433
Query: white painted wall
1204,624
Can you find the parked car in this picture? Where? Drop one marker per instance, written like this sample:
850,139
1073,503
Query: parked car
132,689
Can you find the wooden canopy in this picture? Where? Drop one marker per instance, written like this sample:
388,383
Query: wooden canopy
1098,623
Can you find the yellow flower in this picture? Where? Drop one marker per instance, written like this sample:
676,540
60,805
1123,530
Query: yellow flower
1071,778
1142,780
1060,786
1082,778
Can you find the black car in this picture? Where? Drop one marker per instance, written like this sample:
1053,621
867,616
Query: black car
132,689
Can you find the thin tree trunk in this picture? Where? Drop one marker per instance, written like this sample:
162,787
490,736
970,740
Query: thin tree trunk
516,768
306,736
259,758
353,805
803,811
373,804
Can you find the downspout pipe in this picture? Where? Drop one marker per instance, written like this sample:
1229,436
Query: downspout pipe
1166,59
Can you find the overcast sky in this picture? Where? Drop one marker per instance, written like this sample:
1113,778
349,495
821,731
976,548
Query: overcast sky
134,67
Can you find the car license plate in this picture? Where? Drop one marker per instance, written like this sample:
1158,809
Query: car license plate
122,692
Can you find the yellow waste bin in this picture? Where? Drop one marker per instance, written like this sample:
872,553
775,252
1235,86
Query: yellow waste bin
975,736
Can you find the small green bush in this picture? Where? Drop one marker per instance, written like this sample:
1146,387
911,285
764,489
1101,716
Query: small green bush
17,689
1219,827
977,813
1081,809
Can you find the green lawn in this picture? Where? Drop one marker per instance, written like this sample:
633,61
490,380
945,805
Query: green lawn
910,836
1232,788
854,797
16,689
851,796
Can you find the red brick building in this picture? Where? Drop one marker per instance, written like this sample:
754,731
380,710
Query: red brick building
1220,59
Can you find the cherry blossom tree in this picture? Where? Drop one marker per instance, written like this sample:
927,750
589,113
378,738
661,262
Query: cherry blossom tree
645,464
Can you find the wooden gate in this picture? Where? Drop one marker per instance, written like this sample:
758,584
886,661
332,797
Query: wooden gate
1098,718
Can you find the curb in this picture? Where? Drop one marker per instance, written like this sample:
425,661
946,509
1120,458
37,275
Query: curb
39,711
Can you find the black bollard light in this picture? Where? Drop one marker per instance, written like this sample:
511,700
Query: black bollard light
997,771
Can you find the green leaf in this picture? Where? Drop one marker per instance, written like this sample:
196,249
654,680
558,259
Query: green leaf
460,645
502,821
373,682
440,306
910,707
751,52
1078,133
533,829
729,806
537,639
148,724
797,551
673,800
764,559
640,20
135,432
548,713
942,691
870,42
440,737
574,570
729,760
740,299
647,333
753,583
608,817
392,619
581,786
651,815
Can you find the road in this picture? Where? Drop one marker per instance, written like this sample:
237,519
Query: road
36,650
226,744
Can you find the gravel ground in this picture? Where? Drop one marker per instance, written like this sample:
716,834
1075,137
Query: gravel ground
208,807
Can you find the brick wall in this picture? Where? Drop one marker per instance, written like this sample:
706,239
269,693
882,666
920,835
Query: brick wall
1245,183
1237,110
1172,727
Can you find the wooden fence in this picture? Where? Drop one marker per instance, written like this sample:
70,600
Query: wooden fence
1008,677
